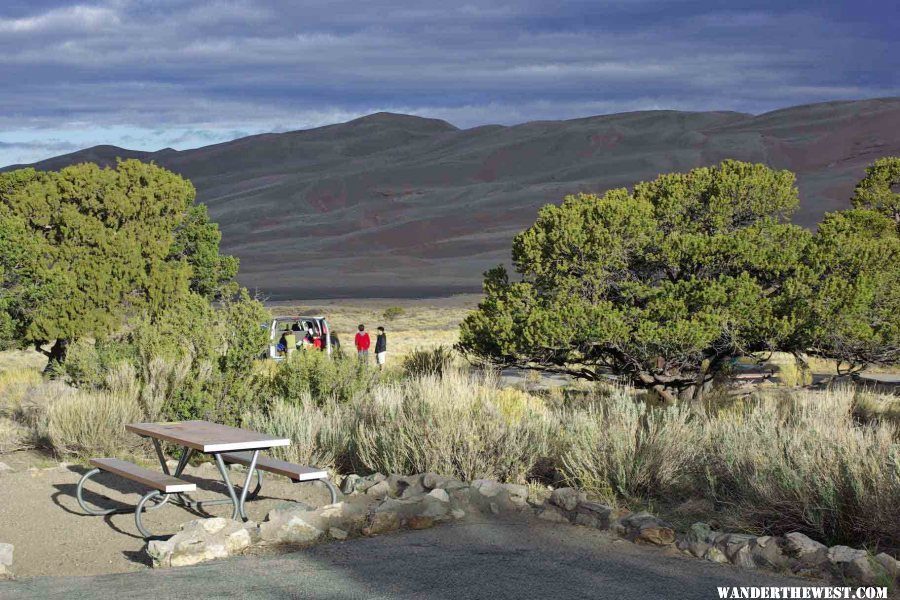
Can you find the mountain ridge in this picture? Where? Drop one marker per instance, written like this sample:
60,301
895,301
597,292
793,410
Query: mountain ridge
400,205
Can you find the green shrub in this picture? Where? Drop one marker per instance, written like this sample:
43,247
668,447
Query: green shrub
434,361
393,312
320,377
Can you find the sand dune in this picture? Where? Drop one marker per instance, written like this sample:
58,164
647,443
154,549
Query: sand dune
396,205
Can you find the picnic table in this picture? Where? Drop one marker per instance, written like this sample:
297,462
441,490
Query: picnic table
224,443
208,438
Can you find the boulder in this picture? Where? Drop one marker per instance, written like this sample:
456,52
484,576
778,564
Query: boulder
5,467
337,534
593,514
417,506
733,543
201,540
405,486
697,540
349,483
566,498
368,481
343,515
440,494
431,481
382,522
767,553
299,527
840,556
890,565
808,552
552,514
487,487
458,513
379,489
715,555
644,528
865,571
420,522
6,559
518,494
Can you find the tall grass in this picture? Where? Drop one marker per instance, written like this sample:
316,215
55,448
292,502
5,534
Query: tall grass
92,423
802,462
450,425
620,448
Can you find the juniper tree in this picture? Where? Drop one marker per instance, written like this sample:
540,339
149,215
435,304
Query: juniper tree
665,284
82,248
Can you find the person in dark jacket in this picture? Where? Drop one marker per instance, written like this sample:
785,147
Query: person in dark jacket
380,348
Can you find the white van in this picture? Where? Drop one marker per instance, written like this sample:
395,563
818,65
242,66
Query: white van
306,333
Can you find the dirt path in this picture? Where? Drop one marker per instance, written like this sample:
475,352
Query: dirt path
52,536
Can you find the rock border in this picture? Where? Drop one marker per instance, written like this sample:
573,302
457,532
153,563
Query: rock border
387,503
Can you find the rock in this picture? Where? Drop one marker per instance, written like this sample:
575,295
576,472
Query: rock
733,544
843,555
343,515
338,534
382,522
643,527
457,513
487,487
698,539
295,530
890,564
743,558
349,483
715,555
593,514
405,486
368,481
495,509
379,489
5,467
552,514
566,498
430,481
420,522
440,495
767,553
865,571
808,552
6,559
518,494
424,506
200,540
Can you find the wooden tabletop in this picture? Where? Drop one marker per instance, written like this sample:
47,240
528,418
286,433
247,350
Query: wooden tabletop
207,437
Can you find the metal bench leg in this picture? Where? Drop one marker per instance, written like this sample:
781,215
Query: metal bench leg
84,506
331,490
140,508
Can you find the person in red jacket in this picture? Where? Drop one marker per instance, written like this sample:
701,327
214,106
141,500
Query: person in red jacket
362,344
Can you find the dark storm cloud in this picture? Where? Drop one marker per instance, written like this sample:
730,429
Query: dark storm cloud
181,73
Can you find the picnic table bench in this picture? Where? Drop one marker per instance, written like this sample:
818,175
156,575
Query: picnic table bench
225,444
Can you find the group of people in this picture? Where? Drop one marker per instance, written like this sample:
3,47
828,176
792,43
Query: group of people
364,342
295,336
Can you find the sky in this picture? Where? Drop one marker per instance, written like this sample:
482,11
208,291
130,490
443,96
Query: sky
151,74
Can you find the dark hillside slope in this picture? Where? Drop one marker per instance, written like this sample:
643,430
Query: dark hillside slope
396,205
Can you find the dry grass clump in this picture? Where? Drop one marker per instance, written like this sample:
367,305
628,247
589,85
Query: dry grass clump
450,425
92,423
801,462
622,448
320,434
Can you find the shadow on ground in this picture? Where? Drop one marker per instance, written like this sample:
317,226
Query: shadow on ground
497,559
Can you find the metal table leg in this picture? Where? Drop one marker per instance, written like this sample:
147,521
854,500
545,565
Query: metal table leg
237,501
